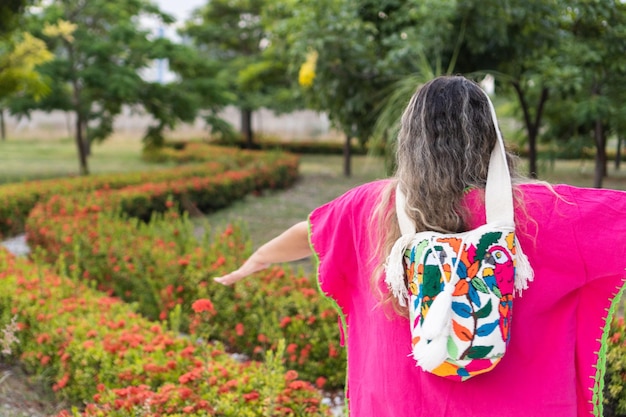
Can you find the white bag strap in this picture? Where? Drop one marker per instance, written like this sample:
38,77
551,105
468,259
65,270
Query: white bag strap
498,190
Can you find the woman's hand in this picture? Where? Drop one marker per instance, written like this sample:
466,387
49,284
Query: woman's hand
291,245
248,268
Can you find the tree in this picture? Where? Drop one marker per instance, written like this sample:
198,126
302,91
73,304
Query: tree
100,50
199,88
344,53
10,10
591,106
424,45
518,42
20,54
232,34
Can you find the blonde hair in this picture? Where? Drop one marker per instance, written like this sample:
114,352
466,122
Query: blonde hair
443,148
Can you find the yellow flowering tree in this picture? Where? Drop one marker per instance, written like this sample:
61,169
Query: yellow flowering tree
19,57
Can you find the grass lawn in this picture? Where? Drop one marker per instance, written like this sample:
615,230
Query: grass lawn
27,159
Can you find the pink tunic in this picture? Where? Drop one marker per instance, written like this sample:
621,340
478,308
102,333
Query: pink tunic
577,247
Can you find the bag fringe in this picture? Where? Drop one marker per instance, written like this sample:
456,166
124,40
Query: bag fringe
523,270
395,269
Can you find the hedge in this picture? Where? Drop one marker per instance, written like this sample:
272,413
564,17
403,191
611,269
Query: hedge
17,200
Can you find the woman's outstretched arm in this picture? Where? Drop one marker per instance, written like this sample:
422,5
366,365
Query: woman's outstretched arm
291,245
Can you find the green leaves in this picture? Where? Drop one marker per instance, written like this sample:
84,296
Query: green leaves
480,285
485,311
19,58
478,352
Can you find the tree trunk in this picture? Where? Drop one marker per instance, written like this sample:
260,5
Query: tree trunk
81,120
246,128
532,126
347,157
80,145
68,122
3,132
86,141
618,152
600,168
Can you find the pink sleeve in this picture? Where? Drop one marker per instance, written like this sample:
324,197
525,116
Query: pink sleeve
330,232
600,232
338,233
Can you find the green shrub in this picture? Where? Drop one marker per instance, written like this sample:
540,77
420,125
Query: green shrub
615,380
99,353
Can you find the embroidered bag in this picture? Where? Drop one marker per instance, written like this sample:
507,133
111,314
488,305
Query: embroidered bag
461,285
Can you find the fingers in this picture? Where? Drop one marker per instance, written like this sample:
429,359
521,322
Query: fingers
248,268
229,279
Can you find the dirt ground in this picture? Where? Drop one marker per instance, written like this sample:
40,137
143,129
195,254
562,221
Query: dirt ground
21,396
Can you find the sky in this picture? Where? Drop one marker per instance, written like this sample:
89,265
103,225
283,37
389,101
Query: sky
180,9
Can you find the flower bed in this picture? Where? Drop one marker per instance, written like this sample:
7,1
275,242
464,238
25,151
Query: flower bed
100,353
163,266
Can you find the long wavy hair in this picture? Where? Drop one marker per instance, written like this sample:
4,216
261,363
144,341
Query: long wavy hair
443,149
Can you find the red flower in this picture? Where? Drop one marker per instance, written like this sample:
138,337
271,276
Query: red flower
239,329
298,385
320,382
332,352
284,322
62,383
203,305
291,375
43,338
251,396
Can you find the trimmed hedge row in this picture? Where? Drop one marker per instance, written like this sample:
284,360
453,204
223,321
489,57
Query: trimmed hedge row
17,200
185,151
100,353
